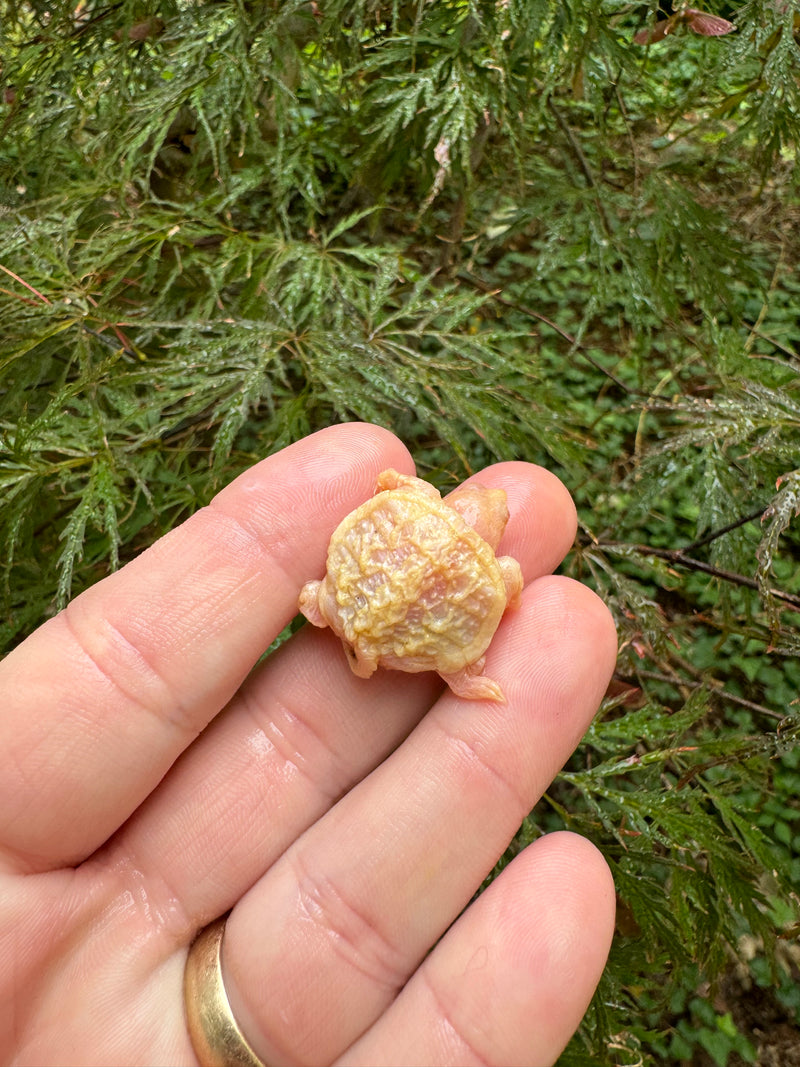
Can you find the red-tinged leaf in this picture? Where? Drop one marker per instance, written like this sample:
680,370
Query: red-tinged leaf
707,25
622,694
657,33
140,31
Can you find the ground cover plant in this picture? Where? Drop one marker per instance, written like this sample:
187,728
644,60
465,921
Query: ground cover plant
563,232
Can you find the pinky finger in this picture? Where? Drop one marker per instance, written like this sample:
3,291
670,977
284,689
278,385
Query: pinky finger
511,980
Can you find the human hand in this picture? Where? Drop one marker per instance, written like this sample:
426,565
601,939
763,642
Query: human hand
150,780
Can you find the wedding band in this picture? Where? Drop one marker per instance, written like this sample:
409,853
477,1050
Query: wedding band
216,1037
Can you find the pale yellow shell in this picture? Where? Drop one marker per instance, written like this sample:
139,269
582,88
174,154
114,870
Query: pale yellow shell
412,586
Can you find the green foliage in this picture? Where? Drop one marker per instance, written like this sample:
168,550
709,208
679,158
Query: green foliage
715,1033
505,230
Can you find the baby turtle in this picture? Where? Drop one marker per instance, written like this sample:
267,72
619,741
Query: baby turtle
413,583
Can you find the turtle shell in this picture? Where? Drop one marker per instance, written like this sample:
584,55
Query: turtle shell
411,585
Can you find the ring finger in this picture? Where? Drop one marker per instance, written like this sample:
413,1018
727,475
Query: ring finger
322,944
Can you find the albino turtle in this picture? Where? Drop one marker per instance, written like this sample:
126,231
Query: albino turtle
413,583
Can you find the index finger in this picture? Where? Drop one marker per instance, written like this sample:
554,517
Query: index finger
101,700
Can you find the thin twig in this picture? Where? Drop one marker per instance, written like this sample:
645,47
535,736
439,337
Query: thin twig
22,281
677,557
711,683
780,345
582,163
762,314
576,345
723,530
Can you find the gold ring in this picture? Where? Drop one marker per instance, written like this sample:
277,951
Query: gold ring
215,1034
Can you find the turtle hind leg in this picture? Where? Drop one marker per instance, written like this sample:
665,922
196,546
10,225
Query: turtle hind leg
471,684
361,664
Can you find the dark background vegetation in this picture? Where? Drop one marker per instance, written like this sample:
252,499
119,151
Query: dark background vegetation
505,229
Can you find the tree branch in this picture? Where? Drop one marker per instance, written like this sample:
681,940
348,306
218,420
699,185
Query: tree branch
723,530
678,557
712,684
577,346
582,163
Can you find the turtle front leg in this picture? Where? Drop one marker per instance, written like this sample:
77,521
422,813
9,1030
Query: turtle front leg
309,604
512,579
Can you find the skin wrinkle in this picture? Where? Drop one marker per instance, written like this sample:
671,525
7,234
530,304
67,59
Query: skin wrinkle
150,838
475,758
83,973
320,673
90,902
216,876
227,743
18,952
238,552
269,541
21,861
348,930
218,567
277,742
274,707
13,860
445,1019
179,717
158,902
524,944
